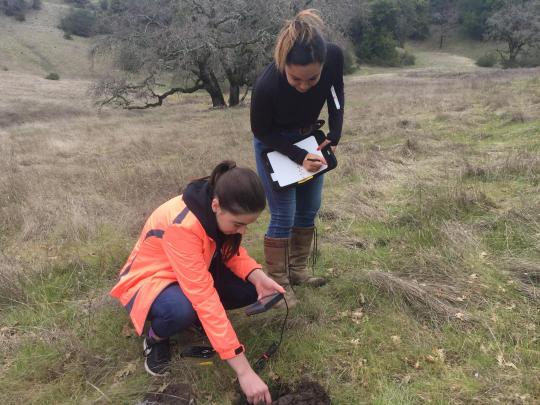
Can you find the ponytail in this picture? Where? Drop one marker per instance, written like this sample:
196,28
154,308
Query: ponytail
300,41
239,191
219,170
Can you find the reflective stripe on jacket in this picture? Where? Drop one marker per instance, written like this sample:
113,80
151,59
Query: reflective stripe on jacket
174,247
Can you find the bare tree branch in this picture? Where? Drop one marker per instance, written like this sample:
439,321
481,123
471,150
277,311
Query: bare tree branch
125,94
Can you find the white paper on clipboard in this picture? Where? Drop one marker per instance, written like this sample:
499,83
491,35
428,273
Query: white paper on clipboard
285,171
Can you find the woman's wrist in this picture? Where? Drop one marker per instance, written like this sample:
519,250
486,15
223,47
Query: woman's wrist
255,275
240,365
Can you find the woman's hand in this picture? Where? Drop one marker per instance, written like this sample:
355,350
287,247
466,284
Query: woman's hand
313,163
254,388
325,143
263,284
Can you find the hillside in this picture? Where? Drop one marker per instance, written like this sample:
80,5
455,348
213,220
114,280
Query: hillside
37,46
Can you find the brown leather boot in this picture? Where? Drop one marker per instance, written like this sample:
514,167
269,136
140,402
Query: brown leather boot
300,248
276,252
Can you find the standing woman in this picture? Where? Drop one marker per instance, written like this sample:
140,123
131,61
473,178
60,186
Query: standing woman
188,267
286,102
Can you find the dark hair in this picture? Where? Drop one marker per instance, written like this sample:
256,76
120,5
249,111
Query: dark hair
300,41
239,191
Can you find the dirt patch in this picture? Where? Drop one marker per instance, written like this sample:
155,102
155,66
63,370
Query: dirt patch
307,392
172,394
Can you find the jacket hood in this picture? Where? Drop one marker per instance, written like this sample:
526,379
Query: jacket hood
198,198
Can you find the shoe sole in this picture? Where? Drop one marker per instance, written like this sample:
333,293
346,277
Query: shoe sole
146,364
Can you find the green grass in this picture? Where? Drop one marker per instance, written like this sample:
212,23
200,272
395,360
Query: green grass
389,356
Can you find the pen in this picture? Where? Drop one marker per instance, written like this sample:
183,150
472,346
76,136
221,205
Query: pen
313,160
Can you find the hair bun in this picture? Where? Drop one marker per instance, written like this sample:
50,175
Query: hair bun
307,29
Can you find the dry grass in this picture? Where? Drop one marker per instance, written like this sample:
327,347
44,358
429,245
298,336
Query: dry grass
507,165
74,167
527,276
435,302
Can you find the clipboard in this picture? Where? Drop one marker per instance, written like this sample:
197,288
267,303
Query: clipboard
284,173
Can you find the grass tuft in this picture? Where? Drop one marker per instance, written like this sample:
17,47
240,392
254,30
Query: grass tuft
433,302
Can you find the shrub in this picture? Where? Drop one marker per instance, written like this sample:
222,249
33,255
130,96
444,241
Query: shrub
53,76
378,47
349,62
529,60
14,8
117,6
487,60
79,22
406,58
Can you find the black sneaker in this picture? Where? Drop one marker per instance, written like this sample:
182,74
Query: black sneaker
158,356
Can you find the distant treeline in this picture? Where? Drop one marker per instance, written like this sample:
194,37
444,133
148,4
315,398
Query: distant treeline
377,29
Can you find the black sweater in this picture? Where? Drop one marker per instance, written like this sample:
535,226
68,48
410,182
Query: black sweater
276,106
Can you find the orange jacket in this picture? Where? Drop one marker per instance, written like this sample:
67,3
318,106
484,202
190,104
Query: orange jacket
174,247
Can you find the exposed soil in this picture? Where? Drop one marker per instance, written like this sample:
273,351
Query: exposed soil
306,393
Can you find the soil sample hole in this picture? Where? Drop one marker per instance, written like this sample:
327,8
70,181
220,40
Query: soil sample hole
307,392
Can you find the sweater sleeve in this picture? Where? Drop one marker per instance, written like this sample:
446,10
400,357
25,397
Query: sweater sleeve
336,101
261,125
184,250
242,264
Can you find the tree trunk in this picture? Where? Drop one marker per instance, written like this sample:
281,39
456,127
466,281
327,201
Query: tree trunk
211,85
214,89
234,95
235,79
217,96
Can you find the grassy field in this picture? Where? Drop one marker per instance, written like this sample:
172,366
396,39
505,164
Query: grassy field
429,234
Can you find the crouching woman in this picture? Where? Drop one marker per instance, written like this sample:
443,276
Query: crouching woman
188,267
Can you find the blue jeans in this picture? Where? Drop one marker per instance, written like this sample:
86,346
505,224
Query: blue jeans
171,312
293,207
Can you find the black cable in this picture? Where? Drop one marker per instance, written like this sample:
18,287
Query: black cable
273,348
284,321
